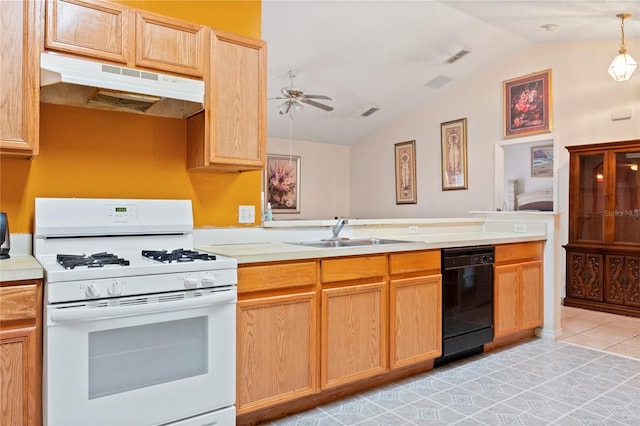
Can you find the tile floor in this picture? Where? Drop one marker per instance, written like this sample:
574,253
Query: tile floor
591,376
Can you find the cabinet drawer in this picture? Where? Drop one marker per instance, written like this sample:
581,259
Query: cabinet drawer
353,268
18,302
519,251
402,263
276,276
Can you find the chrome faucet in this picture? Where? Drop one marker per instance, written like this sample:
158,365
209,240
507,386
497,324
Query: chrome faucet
338,227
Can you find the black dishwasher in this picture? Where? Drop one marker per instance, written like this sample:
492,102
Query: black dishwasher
467,301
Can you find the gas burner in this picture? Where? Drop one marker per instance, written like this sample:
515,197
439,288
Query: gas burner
178,255
96,260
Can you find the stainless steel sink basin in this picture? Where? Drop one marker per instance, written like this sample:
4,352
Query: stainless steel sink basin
345,242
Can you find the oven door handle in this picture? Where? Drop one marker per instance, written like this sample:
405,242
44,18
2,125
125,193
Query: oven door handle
61,315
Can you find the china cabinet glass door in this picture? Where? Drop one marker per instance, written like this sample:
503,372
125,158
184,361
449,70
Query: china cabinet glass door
626,214
591,201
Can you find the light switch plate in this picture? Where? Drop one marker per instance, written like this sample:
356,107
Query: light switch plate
246,214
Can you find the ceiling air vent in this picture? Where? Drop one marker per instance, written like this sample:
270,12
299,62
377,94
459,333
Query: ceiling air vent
369,112
457,56
438,81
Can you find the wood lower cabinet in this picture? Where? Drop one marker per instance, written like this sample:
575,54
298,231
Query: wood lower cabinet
230,135
276,334
21,352
21,36
310,332
415,307
354,319
518,288
135,38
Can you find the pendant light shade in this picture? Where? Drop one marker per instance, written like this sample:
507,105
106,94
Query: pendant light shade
623,65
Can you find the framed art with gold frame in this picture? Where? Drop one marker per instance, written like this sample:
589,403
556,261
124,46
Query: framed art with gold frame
453,139
528,105
405,160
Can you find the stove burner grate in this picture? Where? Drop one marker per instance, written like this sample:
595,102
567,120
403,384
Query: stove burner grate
177,255
96,260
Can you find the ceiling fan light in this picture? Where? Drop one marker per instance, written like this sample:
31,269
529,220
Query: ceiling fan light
622,67
297,107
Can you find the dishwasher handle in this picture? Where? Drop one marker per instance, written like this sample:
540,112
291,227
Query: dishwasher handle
90,313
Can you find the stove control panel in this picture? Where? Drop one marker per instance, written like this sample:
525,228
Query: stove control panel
68,291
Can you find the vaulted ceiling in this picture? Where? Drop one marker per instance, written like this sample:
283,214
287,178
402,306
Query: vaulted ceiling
393,55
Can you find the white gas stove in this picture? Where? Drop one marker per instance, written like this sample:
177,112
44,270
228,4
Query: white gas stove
134,317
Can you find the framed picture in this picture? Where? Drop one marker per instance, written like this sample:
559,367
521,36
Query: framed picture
542,161
527,105
405,157
282,183
453,138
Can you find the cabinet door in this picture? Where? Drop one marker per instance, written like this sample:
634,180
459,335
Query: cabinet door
506,301
532,294
21,43
585,280
19,380
626,215
89,27
353,333
276,350
169,44
415,319
622,280
238,107
589,177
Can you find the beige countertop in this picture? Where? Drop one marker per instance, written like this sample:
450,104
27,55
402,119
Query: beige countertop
282,251
20,267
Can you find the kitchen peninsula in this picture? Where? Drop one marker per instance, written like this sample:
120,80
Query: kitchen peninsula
314,324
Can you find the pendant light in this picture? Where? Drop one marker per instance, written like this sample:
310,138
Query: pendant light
622,65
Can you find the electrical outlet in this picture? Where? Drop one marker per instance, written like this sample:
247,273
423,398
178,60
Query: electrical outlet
413,229
519,227
246,214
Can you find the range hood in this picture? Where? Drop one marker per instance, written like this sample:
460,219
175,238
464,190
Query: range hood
81,82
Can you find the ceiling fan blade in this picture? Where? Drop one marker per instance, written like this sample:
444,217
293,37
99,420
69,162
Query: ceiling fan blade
318,97
317,104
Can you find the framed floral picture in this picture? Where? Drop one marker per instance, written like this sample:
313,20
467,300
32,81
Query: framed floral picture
282,183
527,105
405,157
453,139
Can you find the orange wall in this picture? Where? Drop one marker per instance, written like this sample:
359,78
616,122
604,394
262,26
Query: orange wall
103,154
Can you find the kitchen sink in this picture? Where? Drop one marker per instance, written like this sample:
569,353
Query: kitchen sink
346,242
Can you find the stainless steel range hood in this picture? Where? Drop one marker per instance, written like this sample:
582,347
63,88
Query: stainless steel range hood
80,82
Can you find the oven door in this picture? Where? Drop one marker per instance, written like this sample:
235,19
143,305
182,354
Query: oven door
141,361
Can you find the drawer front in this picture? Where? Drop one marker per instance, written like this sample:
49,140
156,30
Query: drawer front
519,251
18,302
353,268
276,276
402,263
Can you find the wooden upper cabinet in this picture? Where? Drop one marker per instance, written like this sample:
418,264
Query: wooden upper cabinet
135,38
90,28
21,43
169,44
230,135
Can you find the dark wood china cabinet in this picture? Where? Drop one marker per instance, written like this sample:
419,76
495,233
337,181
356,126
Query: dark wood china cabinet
603,252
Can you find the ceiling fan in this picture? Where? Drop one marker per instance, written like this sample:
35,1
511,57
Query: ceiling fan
295,97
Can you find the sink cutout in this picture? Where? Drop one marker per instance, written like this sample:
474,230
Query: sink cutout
345,242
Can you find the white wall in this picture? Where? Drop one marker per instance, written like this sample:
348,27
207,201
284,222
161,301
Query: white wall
324,172
584,97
